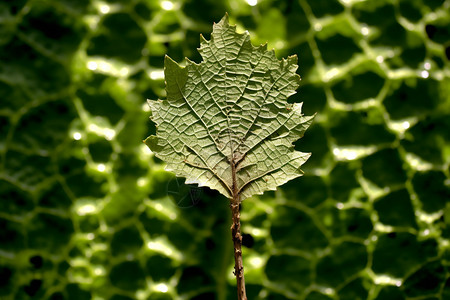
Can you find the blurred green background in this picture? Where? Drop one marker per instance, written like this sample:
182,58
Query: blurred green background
87,212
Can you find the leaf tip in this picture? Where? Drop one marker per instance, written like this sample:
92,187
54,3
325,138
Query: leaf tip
190,62
224,20
293,59
171,65
151,142
167,58
151,102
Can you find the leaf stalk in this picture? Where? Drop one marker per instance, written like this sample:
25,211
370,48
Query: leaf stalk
237,237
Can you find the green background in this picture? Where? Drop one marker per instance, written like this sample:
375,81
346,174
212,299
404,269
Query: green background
87,212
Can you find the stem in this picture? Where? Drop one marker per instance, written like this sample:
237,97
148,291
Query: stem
237,241
237,237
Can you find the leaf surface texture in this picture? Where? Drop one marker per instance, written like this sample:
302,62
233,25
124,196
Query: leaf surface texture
230,109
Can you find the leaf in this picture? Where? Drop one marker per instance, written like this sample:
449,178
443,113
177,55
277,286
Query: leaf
226,123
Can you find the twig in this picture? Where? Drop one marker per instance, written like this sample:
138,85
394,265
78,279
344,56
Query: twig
237,237
237,241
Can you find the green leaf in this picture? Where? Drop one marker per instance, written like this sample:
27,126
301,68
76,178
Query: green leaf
229,114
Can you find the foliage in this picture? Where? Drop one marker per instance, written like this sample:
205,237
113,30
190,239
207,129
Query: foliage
87,212
226,121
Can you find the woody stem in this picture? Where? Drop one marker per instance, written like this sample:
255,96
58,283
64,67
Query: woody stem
237,238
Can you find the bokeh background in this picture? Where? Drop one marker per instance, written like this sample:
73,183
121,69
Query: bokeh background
87,212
